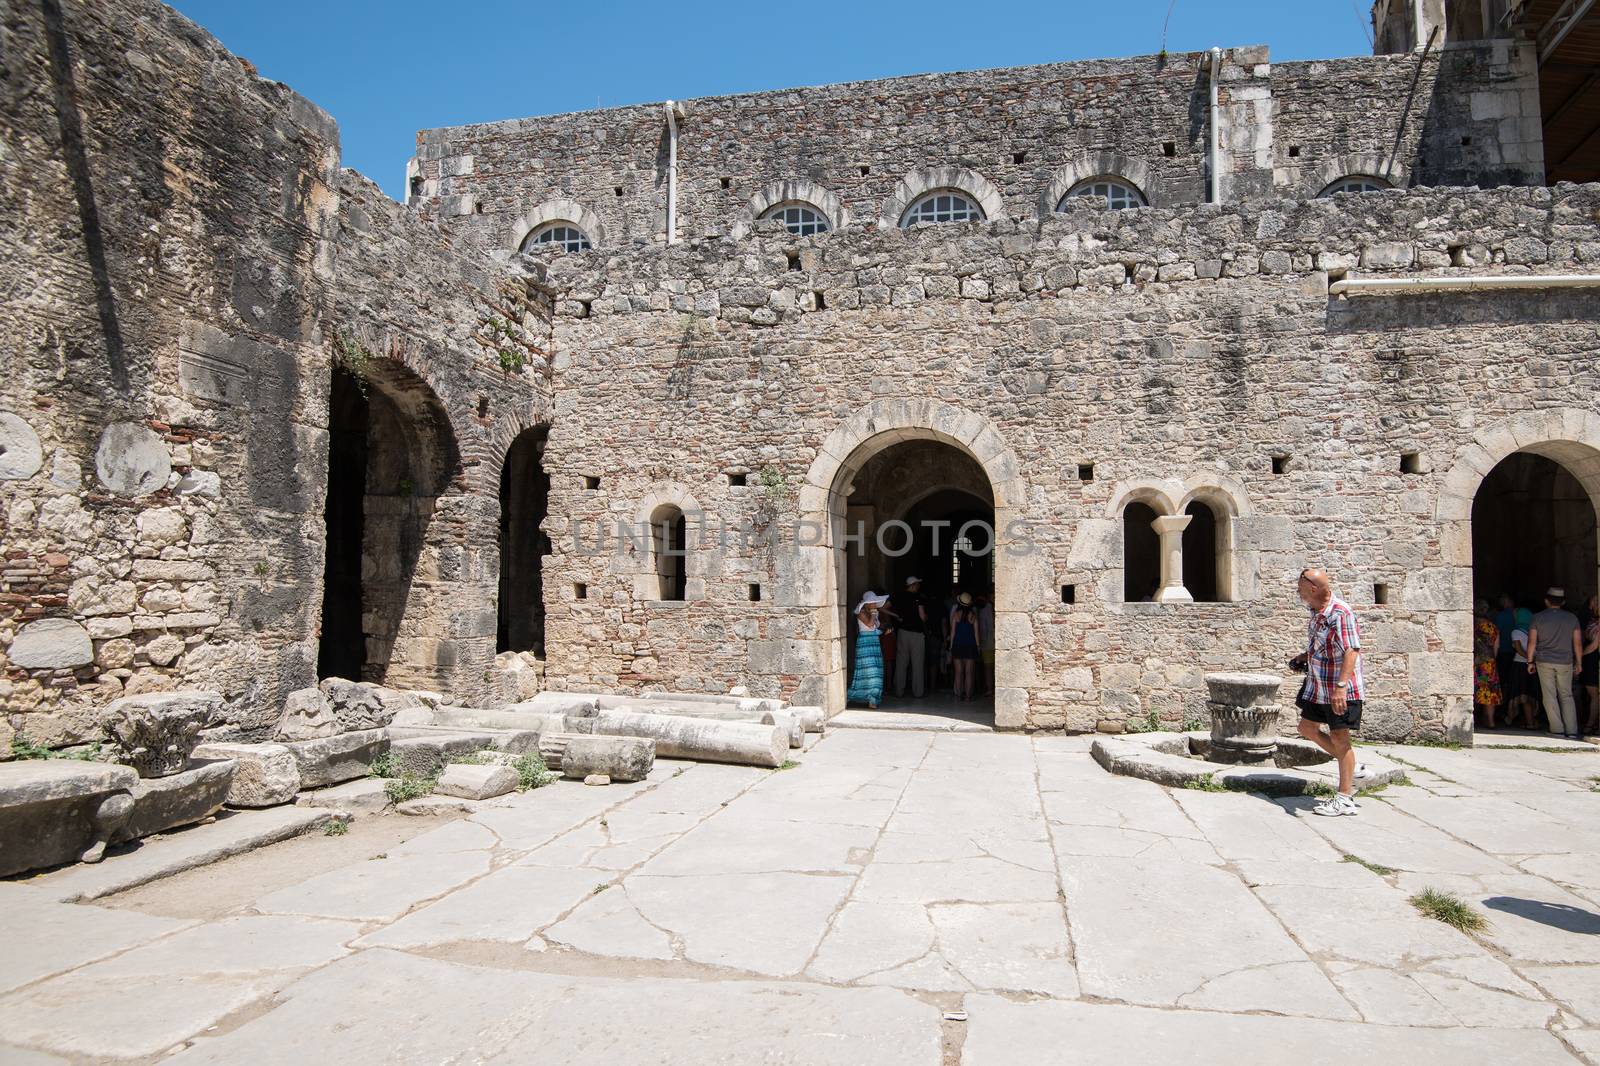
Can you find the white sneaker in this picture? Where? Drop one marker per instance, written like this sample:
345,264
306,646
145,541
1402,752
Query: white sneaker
1337,806
1363,771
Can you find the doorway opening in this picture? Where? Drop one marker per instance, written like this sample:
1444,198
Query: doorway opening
524,502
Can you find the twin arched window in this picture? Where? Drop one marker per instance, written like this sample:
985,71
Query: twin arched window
557,236
1116,193
942,205
1356,183
799,218
1205,564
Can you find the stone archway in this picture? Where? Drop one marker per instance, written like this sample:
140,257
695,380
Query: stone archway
821,585
392,455
1568,438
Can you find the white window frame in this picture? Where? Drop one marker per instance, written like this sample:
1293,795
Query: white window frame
972,213
545,235
1119,194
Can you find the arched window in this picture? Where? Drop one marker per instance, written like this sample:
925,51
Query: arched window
669,548
1356,183
1200,559
1116,193
557,236
801,219
1141,554
942,205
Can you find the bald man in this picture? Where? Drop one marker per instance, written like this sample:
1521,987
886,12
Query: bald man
1332,693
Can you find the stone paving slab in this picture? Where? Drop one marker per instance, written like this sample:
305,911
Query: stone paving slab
44,937
152,998
886,863
1003,1033
379,1005
233,833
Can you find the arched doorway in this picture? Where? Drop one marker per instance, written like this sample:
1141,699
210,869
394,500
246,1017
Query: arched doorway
524,500
391,455
920,508
1533,527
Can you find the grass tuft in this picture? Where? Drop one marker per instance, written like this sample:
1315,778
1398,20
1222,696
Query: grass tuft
409,787
1377,868
1205,783
1431,740
788,764
532,771
1450,909
1320,789
336,828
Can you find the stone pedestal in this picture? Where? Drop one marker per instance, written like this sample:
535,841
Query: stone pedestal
1244,717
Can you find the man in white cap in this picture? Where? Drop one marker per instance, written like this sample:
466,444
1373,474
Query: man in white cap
911,639
1555,646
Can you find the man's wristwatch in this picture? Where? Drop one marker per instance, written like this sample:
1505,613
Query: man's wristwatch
1342,685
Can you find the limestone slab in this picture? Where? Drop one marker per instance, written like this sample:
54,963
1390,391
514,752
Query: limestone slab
264,775
766,923
508,906
1529,918
974,880
1123,955
735,843
336,759
608,923
163,803
378,889
477,782
365,795
44,937
350,1011
1001,1033
156,996
152,859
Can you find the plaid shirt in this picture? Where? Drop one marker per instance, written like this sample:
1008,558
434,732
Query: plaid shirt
1331,632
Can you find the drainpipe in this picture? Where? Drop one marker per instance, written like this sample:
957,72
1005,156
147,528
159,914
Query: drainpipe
1375,286
1215,151
672,171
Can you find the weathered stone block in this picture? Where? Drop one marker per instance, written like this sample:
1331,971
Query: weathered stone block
51,644
55,811
264,775
183,798
332,760
476,782
307,715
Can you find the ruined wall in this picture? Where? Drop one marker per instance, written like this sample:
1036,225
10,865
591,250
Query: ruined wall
1177,351
166,256
183,265
459,341
1023,135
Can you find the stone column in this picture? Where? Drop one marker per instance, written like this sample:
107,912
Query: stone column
1170,528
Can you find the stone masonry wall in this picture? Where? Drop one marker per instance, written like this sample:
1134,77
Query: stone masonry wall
1179,351
183,265
168,250
1021,135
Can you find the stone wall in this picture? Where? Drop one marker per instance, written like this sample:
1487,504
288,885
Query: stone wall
1178,353
1016,138
183,267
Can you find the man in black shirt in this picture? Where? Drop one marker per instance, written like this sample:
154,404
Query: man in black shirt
911,639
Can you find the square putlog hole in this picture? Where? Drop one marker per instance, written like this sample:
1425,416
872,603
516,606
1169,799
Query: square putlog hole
1280,464
738,477
591,482
1410,463
1380,594
1069,594
755,593
1085,471
580,591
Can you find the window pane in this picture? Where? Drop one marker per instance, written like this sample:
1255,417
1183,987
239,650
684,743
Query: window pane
1116,194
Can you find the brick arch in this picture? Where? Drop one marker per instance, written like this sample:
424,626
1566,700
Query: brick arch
1161,495
1569,436
511,424
960,179
841,455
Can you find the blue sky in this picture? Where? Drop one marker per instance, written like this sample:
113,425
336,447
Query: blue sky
386,70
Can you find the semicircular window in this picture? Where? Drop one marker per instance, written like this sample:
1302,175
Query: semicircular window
800,219
1356,183
1116,194
944,205
559,236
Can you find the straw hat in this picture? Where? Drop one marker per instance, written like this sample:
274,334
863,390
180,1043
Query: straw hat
965,599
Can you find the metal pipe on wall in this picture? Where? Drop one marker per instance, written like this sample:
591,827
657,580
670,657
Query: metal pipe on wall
672,171
1376,286
1215,147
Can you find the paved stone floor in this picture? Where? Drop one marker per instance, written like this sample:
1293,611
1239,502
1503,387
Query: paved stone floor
842,911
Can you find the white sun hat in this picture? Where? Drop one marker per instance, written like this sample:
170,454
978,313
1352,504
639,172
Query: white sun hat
870,597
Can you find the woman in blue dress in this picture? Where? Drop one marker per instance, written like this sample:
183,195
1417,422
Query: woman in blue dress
963,646
867,684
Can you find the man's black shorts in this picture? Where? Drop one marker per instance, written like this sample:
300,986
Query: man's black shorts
1323,713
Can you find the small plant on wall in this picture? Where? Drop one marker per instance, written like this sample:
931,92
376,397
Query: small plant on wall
350,355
